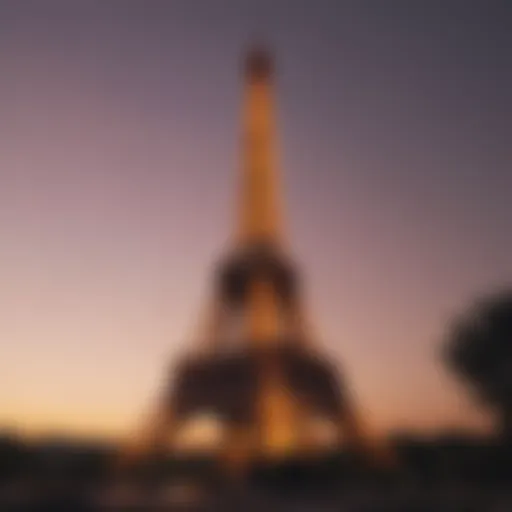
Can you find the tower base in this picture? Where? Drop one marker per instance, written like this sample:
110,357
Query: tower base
221,407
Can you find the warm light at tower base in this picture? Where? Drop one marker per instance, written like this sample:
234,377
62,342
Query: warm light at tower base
203,432
323,433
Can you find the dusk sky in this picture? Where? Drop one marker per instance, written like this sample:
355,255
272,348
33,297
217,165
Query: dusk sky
119,152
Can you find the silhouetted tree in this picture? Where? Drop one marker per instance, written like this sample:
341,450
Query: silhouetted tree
479,349
13,456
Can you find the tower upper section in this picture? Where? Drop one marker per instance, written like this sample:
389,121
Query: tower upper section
260,215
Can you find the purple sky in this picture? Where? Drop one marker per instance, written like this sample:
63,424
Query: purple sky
119,146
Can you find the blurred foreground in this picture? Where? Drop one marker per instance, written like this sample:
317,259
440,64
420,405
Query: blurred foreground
451,473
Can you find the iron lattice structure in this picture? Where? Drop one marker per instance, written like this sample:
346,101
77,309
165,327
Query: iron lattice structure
259,389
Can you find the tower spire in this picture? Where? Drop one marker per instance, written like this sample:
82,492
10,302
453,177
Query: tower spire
259,218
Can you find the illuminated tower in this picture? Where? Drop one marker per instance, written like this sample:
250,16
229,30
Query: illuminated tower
257,390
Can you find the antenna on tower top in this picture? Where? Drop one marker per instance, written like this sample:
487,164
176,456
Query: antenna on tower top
259,63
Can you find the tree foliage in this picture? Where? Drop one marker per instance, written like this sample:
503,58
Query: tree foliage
479,350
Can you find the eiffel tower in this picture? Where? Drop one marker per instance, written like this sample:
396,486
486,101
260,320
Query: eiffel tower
257,390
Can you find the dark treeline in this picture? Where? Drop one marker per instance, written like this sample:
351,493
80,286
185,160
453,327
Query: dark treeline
450,458
38,459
